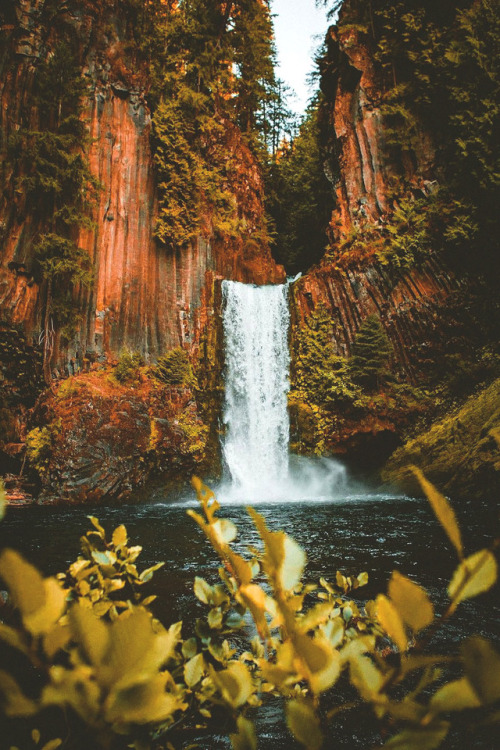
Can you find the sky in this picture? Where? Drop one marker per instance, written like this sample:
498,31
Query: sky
296,24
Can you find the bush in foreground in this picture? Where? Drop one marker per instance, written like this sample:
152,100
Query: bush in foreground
122,679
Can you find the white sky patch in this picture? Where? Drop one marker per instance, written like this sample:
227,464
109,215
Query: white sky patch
299,28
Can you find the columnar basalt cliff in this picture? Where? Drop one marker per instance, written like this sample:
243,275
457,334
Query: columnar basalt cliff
410,307
361,165
429,313
364,170
143,296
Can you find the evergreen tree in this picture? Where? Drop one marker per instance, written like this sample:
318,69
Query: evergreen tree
370,353
216,66
300,198
55,177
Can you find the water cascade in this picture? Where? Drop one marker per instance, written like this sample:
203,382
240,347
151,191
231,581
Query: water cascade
255,444
256,323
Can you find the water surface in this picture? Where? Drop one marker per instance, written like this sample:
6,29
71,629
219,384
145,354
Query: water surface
355,533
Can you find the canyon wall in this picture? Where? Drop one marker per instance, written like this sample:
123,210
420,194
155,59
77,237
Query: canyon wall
144,296
369,176
362,166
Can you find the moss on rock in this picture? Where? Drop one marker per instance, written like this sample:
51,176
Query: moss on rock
459,454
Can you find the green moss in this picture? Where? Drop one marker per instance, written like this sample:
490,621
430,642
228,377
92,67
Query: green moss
194,435
67,389
458,447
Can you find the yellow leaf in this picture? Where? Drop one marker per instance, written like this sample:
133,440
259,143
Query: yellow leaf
246,738
256,599
13,637
225,530
143,702
95,523
388,617
214,618
411,601
443,510
120,536
45,617
334,631
294,560
56,639
316,616
136,650
76,687
319,662
202,590
419,739
194,670
35,736
89,632
284,559
482,667
3,499
15,703
304,724
24,582
52,744
455,696
365,676
234,684
473,576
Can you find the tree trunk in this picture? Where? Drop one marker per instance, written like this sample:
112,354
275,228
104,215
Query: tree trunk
48,335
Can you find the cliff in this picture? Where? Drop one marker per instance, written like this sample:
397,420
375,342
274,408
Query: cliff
364,167
385,259
143,296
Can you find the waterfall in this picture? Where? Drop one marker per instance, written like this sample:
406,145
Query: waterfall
255,445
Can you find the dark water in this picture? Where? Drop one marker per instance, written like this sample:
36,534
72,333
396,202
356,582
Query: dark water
373,533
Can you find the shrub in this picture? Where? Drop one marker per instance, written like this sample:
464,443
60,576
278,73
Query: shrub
128,368
100,655
39,444
174,368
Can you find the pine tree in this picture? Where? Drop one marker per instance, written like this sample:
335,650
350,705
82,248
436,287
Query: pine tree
370,353
54,175
300,198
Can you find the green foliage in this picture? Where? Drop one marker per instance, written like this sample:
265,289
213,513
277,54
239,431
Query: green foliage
371,351
109,662
193,434
128,369
321,381
212,71
442,71
54,176
39,445
174,368
299,197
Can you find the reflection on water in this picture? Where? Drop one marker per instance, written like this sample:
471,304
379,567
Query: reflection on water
351,533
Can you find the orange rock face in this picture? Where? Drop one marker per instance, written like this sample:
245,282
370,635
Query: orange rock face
407,306
144,296
365,166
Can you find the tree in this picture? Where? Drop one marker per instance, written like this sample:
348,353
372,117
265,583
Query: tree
54,174
370,353
299,197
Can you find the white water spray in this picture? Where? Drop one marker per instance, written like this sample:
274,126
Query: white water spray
255,445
